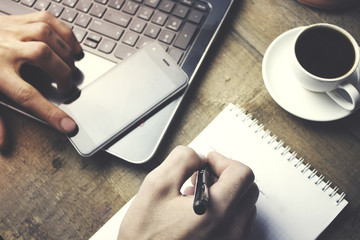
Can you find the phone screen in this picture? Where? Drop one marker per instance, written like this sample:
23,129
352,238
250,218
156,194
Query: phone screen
112,103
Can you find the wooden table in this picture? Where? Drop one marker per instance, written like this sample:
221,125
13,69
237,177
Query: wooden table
49,192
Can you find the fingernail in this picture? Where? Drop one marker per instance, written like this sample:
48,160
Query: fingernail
79,55
68,125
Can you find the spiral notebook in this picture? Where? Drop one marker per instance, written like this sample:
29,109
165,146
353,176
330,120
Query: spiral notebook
295,202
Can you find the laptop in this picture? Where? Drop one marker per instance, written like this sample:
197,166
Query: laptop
111,30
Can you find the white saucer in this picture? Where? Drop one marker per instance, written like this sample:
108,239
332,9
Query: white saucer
287,92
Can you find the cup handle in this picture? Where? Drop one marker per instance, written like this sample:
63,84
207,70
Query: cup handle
347,96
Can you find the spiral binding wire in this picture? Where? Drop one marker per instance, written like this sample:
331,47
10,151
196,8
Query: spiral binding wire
296,162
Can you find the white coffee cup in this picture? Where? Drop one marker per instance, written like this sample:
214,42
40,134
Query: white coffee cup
326,59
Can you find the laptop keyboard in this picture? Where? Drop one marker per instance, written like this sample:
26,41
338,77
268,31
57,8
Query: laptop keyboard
114,29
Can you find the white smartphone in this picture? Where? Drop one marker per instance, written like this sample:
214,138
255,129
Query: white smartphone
123,96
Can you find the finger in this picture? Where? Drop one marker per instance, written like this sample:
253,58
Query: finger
243,213
181,163
193,178
249,225
3,133
40,55
62,30
189,191
43,32
238,218
28,97
224,167
234,180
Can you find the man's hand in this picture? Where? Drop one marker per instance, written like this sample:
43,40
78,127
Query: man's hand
41,40
160,211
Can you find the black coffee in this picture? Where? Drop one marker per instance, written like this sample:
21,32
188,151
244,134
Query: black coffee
325,52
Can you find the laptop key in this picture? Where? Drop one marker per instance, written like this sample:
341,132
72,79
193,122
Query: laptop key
185,36
84,6
176,54
116,4
138,25
106,29
69,15
174,23
201,6
79,34
130,38
152,3
28,3
94,37
196,16
143,41
102,1
167,36
130,7
145,13
97,10
42,5
69,3
55,9
83,20
166,6
187,2
181,11
159,18
107,46
118,18
123,51
90,43
152,31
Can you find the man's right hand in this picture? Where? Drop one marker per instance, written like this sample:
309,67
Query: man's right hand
41,40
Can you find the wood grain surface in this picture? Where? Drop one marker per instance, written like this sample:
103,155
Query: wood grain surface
49,192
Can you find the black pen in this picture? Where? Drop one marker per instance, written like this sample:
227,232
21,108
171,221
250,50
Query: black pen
201,194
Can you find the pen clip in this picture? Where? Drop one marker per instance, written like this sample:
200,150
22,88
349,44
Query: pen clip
201,194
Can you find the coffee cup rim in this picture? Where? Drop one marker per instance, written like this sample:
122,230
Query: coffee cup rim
348,35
